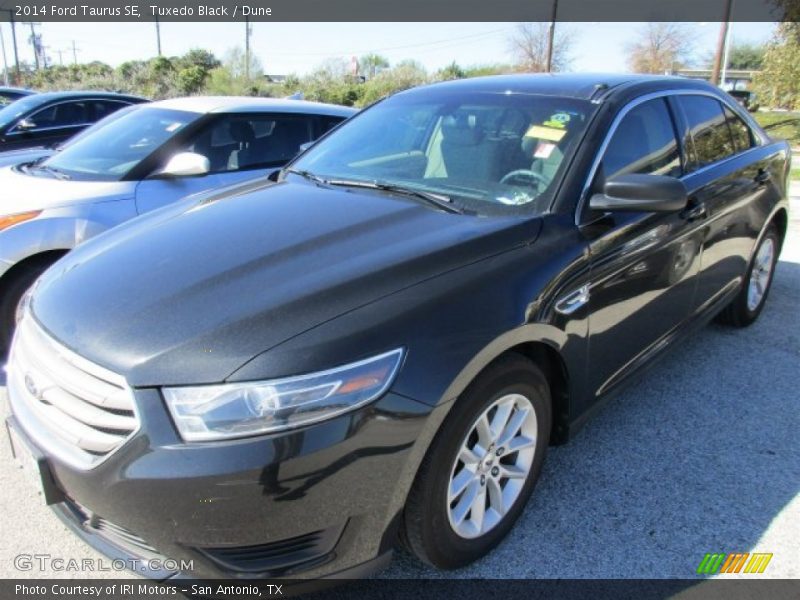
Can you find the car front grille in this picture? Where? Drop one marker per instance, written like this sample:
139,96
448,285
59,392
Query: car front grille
72,408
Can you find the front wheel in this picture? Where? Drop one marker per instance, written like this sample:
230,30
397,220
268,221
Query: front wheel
482,467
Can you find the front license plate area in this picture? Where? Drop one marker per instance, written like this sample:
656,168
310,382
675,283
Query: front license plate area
33,465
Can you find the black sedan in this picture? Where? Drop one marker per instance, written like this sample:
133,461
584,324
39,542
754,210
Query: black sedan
292,377
47,119
11,94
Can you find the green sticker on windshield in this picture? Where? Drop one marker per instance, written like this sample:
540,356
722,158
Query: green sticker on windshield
558,120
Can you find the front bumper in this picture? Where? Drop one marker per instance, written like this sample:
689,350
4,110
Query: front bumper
316,502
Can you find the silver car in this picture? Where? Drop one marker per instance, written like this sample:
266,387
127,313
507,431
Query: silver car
139,159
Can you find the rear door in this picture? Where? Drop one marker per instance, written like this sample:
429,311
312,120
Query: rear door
727,174
643,265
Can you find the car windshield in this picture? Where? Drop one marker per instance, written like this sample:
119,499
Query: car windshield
118,144
489,153
13,111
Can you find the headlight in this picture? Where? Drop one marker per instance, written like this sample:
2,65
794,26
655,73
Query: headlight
214,412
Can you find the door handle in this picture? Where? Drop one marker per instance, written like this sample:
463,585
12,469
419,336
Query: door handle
696,211
762,177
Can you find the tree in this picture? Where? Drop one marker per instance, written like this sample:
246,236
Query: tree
778,83
451,71
372,64
749,57
529,43
660,48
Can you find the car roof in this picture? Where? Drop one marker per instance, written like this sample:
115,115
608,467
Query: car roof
224,104
16,90
50,96
586,86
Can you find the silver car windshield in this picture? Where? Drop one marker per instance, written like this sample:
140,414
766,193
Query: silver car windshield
487,152
111,149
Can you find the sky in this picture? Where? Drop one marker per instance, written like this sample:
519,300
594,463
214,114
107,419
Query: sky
285,48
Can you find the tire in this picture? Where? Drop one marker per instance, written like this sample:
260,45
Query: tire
743,311
431,527
12,292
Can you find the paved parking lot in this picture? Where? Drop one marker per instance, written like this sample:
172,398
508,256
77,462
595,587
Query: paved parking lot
700,455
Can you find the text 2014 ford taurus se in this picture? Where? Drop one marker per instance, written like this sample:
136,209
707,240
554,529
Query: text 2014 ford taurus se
381,345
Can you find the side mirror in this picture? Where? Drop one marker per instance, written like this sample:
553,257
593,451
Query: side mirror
185,164
636,192
25,125
305,146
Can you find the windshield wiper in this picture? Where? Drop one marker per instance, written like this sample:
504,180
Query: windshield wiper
308,175
57,173
437,200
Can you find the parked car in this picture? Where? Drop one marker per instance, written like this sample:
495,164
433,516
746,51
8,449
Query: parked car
47,119
139,159
288,378
10,94
746,98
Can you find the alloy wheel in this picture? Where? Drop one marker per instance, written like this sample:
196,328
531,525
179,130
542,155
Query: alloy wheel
492,466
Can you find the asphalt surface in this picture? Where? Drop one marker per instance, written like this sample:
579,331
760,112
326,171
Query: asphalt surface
701,454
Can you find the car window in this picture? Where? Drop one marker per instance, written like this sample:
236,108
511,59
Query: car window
708,130
117,145
742,135
63,114
103,108
490,153
644,142
239,142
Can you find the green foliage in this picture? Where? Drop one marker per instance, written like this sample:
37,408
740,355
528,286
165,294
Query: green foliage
778,83
746,56
372,64
781,125
200,72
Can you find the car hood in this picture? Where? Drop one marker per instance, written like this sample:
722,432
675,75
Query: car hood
189,294
20,192
17,157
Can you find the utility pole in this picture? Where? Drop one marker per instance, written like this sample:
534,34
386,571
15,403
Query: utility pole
5,61
75,51
551,37
60,57
158,35
247,48
726,55
14,41
721,43
35,43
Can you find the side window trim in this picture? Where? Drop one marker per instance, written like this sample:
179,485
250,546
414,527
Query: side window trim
14,131
585,190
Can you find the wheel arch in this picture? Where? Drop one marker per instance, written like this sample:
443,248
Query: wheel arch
540,343
43,257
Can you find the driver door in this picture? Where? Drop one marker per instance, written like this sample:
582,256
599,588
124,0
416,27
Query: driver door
644,265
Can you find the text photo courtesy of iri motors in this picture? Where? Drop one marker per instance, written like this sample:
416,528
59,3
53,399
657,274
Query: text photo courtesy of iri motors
371,301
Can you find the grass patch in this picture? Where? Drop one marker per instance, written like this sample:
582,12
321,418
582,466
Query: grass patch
781,126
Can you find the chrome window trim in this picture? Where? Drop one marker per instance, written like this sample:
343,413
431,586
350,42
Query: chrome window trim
14,131
758,137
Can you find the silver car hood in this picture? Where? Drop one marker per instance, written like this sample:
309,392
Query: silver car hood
20,192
